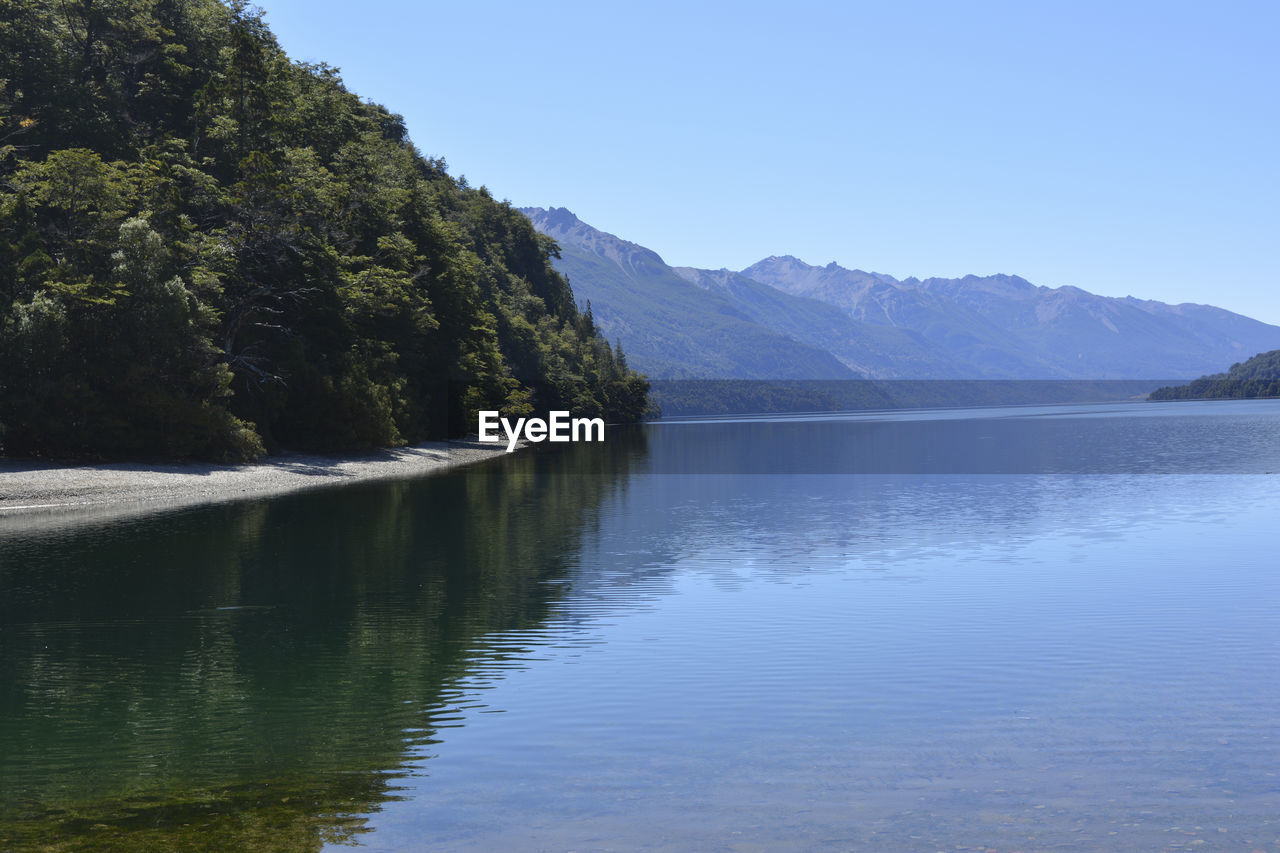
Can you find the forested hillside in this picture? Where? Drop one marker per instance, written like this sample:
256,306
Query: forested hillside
1257,377
208,250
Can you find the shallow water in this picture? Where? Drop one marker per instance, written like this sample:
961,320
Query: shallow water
882,633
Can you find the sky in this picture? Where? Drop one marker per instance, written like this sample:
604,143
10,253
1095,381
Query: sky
1127,148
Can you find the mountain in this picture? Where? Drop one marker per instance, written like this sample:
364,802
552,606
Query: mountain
1004,326
778,318
886,352
670,327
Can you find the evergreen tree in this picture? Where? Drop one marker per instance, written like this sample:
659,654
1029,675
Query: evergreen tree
207,249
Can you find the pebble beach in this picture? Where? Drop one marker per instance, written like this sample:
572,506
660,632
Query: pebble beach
32,491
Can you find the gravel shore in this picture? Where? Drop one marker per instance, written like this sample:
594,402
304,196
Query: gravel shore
29,490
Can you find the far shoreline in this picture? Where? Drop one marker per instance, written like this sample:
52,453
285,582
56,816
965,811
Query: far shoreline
41,492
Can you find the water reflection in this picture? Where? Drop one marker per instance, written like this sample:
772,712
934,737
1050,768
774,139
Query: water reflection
586,647
265,666
889,663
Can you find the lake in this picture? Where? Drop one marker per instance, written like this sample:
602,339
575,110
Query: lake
1027,628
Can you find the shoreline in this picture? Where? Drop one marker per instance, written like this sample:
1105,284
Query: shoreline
31,491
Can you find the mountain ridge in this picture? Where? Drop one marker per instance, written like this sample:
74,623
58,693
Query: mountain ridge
999,326
1006,316
671,328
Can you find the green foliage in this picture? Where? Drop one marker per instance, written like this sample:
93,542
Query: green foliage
1257,377
207,250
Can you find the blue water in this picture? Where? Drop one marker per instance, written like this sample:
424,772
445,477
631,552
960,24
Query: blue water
1044,648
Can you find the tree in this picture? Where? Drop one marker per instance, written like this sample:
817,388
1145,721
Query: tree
206,249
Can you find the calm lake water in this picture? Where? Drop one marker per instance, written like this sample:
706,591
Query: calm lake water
1004,629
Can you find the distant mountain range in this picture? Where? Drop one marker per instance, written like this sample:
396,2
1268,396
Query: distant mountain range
784,319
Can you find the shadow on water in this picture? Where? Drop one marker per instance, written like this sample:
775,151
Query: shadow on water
257,675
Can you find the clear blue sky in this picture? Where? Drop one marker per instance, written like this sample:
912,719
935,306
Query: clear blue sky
1125,148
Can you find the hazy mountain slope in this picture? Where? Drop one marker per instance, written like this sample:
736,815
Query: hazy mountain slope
783,318
883,351
976,346
669,327
1005,326
1211,325
1107,336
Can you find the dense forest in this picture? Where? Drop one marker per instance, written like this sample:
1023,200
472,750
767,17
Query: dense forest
208,250
1257,377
